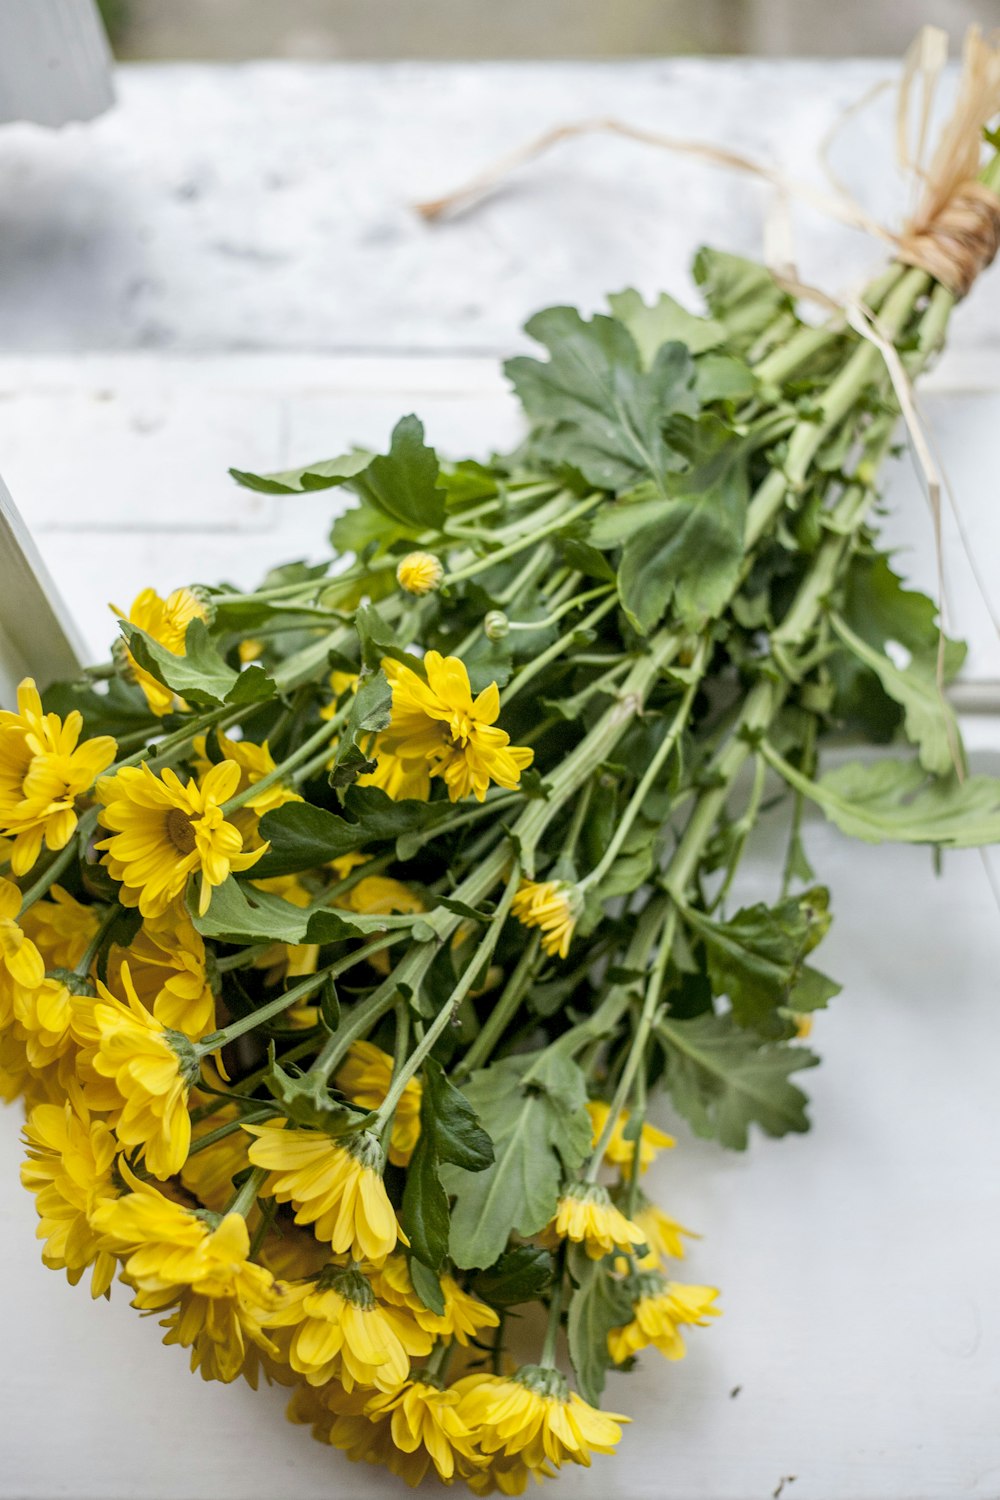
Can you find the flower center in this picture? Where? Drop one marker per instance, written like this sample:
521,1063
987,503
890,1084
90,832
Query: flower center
180,831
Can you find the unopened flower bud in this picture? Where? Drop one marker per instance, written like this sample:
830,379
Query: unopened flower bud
496,625
420,573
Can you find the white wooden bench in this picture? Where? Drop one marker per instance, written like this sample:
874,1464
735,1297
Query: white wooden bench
226,271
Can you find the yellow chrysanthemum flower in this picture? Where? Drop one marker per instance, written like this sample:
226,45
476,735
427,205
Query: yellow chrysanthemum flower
342,1332
255,762
663,1235
533,1418
22,968
619,1151
464,1317
163,831
438,729
167,621
43,770
336,1186
586,1216
200,1271
419,572
69,1169
364,1078
658,1312
552,905
427,1429
44,1017
60,927
152,1069
166,961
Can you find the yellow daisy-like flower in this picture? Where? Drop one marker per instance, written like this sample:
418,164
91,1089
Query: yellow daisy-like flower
152,1069
533,1418
255,762
337,1187
43,770
167,621
166,961
438,729
199,1271
341,1332
464,1317
426,1429
552,905
419,572
364,1078
619,1151
162,832
658,1312
22,968
60,928
45,1018
586,1216
69,1169
663,1235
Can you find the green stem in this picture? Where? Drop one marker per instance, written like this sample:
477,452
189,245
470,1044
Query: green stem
481,957
565,518
245,1199
547,1358
62,861
105,925
502,1013
637,1051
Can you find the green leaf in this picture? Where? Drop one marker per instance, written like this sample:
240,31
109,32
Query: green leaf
521,1275
690,555
240,913
305,837
533,1109
722,1080
403,484
741,295
598,1304
370,711
757,957
324,475
304,1099
200,676
427,1286
894,801
665,322
592,404
929,721
449,1132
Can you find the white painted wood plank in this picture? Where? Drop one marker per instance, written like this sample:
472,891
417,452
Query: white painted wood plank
120,463
857,1265
267,205
38,635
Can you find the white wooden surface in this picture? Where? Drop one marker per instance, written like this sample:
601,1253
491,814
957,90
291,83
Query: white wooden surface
225,272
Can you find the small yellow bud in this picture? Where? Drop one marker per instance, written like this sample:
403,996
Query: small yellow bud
419,573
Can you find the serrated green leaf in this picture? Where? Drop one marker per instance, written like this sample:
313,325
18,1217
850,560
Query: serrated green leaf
741,295
894,801
664,322
521,1275
594,407
757,957
449,1133
305,837
689,556
929,721
723,1081
324,475
403,484
200,676
304,1099
533,1110
599,1303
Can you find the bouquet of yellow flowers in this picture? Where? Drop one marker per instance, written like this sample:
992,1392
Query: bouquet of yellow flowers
349,925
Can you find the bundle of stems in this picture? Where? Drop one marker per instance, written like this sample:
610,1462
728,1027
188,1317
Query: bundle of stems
346,948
